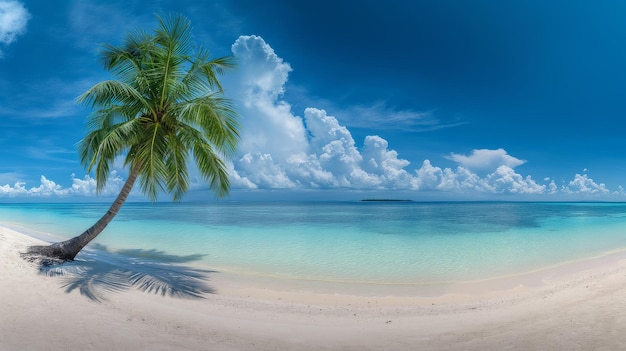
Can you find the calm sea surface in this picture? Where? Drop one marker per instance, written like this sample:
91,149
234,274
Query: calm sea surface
353,241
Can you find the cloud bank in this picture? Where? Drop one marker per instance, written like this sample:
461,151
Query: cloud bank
48,188
281,150
13,19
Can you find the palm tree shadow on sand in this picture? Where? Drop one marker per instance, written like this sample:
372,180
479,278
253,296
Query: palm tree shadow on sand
96,272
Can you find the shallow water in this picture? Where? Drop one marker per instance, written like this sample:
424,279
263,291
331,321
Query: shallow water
378,242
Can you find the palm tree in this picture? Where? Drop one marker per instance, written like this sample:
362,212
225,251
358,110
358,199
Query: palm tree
166,106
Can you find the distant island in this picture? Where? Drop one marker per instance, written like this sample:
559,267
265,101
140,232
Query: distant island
386,200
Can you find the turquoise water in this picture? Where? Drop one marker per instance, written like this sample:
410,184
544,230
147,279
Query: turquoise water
351,242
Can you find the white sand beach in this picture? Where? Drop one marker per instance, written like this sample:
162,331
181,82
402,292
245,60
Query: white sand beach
577,306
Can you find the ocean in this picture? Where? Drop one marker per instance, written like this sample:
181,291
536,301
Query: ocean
352,242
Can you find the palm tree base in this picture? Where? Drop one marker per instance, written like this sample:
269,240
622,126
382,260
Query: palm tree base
49,255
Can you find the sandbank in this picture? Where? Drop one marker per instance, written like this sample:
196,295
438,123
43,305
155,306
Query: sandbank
574,306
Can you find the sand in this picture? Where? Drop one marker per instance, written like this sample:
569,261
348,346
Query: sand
575,306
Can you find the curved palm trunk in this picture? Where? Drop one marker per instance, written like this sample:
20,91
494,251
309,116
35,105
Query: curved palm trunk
67,250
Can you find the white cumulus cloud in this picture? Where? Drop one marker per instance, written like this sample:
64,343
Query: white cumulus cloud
13,20
582,184
49,188
486,160
268,125
505,180
279,149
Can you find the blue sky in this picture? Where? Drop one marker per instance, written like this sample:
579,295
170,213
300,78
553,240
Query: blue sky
424,100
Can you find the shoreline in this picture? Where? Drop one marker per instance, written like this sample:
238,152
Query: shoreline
574,306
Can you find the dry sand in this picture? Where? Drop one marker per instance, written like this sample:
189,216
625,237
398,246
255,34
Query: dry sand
578,306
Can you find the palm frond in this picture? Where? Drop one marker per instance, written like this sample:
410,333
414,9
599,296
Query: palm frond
212,168
177,181
209,163
174,33
100,147
216,117
173,39
110,92
152,150
212,69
